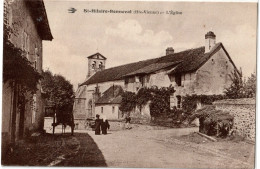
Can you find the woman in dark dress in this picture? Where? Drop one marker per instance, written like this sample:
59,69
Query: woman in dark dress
127,120
97,125
104,125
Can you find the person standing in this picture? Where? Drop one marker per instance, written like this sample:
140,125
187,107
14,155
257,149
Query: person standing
127,120
97,125
104,125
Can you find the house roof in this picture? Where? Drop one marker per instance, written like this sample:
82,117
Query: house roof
112,95
185,61
38,12
98,55
153,68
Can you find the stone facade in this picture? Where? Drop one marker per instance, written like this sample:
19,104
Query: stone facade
243,111
212,78
25,36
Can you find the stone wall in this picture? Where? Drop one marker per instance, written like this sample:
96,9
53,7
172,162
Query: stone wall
25,36
243,111
110,111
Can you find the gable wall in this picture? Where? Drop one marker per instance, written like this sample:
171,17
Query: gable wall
214,76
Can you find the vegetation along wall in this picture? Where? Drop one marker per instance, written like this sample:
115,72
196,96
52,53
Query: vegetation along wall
243,111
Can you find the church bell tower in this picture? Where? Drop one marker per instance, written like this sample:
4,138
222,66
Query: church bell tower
96,62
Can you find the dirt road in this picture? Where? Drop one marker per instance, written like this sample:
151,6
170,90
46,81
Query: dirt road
149,148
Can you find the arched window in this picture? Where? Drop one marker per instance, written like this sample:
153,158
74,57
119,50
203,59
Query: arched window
100,65
94,65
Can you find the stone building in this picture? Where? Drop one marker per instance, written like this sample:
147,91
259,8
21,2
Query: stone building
29,26
203,70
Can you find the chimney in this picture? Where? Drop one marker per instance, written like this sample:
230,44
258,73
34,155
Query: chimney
169,51
210,41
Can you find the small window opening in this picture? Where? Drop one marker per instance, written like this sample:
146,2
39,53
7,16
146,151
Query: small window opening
178,102
178,79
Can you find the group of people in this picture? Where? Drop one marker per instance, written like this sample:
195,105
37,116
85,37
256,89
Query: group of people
101,124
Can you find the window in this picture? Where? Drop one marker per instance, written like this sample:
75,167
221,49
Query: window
100,65
178,102
178,79
126,81
34,108
137,79
141,80
35,64
113,109
102,110
36,57
94,65
25,44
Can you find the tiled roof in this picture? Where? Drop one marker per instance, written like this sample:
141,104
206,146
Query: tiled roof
152,68
111,96
117,73
185,61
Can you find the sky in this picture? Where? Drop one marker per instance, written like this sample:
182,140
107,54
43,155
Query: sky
126,38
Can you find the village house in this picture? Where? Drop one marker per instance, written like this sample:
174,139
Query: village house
29,26
203,70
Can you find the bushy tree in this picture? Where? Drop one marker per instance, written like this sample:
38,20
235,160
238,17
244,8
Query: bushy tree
128,102
235,89
60,94
240,88
250,86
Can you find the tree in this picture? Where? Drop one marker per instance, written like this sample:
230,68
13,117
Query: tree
60,94
250,86
240,88
235,90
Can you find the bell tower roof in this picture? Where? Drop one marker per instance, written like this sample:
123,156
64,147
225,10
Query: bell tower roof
97,56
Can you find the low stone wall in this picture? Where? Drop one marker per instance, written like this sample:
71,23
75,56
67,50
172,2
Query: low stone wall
243,111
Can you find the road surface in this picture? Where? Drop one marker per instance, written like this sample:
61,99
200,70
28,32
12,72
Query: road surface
147,148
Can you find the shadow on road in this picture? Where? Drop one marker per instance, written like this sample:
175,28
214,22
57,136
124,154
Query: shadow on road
89,154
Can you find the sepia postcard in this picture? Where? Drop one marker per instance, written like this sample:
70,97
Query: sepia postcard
129,84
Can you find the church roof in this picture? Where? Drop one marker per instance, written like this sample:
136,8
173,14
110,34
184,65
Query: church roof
113,95
185,61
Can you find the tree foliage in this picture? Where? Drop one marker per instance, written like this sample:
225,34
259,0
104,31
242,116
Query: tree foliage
240,88
250,86
60,94
128,102
236,88
160,101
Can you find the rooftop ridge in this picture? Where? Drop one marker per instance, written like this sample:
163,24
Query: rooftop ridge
157,58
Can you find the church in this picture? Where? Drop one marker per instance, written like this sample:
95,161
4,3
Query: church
203,70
